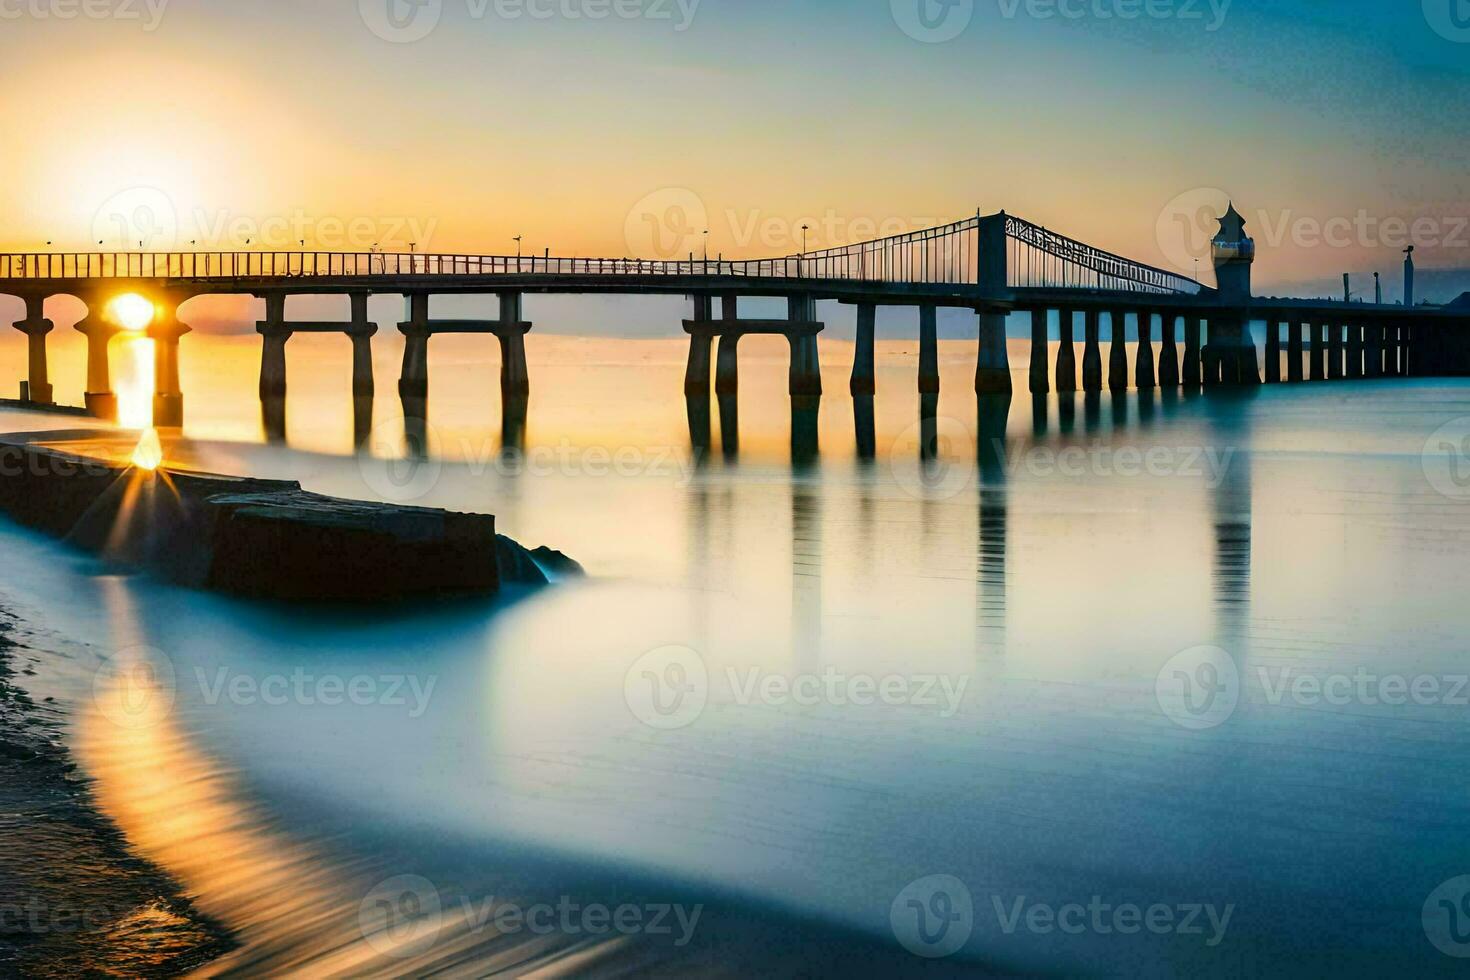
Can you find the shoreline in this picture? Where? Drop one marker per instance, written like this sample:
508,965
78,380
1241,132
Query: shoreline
77,900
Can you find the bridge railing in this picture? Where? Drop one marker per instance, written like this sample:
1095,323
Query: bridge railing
1040,258
942,255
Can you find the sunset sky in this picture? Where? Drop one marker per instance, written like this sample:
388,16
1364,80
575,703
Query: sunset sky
214,122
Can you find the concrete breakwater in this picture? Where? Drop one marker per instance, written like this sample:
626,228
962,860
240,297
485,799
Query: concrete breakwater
265,539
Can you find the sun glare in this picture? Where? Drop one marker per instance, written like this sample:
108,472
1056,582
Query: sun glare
149,454
132,312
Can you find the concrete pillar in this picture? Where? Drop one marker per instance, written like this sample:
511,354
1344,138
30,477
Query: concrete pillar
928,349
1192,353
1040,377
101,400
414,381
1168,352
993,370
1294,346
361,334
1373,352
1118,353
727,371
1354,366
1318,334
864,378
515,376
1273,352
1334,351
1066,353
1143,371
696,376
168,397
274,336
1392,364
806,365
1091,352
35,326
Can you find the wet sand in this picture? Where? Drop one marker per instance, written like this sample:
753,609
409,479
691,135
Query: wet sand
74,901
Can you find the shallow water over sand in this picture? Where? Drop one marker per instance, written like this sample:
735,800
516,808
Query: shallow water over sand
791,692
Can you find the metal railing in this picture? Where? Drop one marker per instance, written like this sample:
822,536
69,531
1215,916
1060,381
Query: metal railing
1040,258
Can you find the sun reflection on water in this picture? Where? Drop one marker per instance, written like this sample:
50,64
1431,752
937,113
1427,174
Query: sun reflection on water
135,383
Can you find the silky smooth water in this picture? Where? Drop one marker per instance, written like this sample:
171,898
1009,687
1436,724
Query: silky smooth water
1031,656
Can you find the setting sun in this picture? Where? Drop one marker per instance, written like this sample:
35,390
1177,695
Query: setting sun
132,312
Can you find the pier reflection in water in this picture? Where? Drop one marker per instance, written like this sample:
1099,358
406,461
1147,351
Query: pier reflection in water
1057,570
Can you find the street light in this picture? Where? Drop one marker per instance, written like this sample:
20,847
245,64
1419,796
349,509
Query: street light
706,244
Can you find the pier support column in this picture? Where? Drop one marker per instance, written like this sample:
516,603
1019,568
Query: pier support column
1091,352
414,381
1168,352
1318,332
1294,348
1334,352
274,336
1066,353
806,365
1192,352
1393,362
1143,370
864,378
1040,379
1373,352
696,376
101,400
515,375
928,349
993,370
361,334
1354,367
727,369
168,397
35,326
1118,352
1273,352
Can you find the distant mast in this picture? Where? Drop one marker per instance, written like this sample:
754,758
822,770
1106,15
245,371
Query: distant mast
1409,276
1234,252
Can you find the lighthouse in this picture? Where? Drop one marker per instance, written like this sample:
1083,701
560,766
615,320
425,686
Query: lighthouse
1234,252
1230,357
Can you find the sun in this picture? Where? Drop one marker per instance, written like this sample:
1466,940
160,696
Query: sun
132,312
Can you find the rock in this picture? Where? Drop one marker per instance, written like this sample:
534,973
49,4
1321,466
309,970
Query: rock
516,564
558,564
